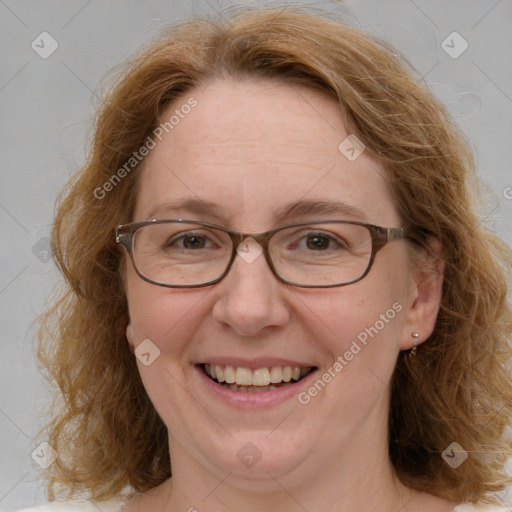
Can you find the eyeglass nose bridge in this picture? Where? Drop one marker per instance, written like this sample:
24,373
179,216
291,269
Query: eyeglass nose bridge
262,239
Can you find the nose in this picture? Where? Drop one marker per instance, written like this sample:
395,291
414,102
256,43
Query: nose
250,299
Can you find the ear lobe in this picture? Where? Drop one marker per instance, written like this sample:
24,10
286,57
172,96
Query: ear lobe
130,336
425,296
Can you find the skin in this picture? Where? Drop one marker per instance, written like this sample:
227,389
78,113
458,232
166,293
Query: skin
252,146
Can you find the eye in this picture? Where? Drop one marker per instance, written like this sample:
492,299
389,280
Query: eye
189,241
321,242
317,242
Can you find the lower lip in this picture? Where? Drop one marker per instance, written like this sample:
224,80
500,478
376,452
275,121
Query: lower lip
261,399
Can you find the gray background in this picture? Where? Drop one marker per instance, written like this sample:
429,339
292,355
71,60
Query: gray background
46,107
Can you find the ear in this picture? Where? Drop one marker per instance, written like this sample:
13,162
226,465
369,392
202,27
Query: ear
425,293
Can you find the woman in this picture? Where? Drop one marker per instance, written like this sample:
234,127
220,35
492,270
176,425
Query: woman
279,295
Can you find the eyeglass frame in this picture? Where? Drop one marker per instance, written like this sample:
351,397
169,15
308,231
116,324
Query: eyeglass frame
380,237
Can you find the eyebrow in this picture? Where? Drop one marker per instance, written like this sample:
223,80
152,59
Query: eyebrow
296,209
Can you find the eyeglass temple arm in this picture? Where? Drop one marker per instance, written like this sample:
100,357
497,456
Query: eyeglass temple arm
395,234
123,237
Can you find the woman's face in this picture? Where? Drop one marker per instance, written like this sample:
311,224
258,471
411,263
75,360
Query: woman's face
251,149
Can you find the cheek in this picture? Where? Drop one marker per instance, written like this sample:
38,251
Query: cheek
350,311
163,323
161,314
358,329
361,322
363,332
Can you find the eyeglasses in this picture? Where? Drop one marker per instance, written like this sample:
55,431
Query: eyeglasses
180,253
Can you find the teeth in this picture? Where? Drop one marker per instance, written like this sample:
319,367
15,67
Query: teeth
229,374
276,374
256,380
243,377
251,389
261,377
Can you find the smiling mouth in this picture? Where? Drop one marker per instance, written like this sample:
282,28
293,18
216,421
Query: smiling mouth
255,381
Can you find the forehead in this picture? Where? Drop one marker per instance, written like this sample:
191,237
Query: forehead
251,148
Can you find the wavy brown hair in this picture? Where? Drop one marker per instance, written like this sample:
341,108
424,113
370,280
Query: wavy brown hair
105,428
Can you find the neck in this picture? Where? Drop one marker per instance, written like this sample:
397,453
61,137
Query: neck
358,475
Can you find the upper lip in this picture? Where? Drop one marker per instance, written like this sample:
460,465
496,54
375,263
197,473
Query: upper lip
255,363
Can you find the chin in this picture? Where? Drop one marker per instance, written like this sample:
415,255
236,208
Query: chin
254,459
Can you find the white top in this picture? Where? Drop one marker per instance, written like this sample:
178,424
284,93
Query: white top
116,505
113,505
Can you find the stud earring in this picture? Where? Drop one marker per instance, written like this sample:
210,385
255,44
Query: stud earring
412,352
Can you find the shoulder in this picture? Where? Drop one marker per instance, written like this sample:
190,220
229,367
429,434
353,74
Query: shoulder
112,505
470,507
